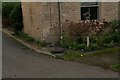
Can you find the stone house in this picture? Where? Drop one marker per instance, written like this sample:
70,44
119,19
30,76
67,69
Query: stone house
43,20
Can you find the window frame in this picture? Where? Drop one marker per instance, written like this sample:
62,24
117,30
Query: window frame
90,6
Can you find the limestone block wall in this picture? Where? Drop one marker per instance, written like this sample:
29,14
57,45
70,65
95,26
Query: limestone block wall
51,32
33,19
70,11
108,10
42,20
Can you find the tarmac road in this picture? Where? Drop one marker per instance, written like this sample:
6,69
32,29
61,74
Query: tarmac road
21,62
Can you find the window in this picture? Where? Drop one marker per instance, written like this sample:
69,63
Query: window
89,4
89,10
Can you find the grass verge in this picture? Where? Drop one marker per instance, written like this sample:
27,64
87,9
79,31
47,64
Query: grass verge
107,58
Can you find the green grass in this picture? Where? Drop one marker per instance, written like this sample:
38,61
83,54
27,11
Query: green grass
107,58
116,67
71,55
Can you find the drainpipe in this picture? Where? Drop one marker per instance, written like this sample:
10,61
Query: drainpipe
57,46
59,14
50,5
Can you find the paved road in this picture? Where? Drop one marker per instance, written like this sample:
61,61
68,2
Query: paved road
21,62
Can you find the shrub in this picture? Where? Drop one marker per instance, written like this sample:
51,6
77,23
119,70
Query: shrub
6,10
16,18
112,34
94,39
87,49
81,46
93,46
102,35
114,24
69,44
74,35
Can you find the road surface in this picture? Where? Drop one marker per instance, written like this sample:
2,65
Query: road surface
21,62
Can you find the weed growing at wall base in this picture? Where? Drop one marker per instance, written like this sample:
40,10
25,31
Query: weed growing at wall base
31,39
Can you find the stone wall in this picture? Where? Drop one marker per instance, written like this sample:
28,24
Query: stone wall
70,11
33,19
108,10
41,20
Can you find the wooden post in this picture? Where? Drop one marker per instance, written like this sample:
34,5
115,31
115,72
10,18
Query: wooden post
88,41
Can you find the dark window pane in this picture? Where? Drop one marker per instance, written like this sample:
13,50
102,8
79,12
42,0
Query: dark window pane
89,13
93,12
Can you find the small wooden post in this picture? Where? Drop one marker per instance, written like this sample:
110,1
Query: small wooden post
88,41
